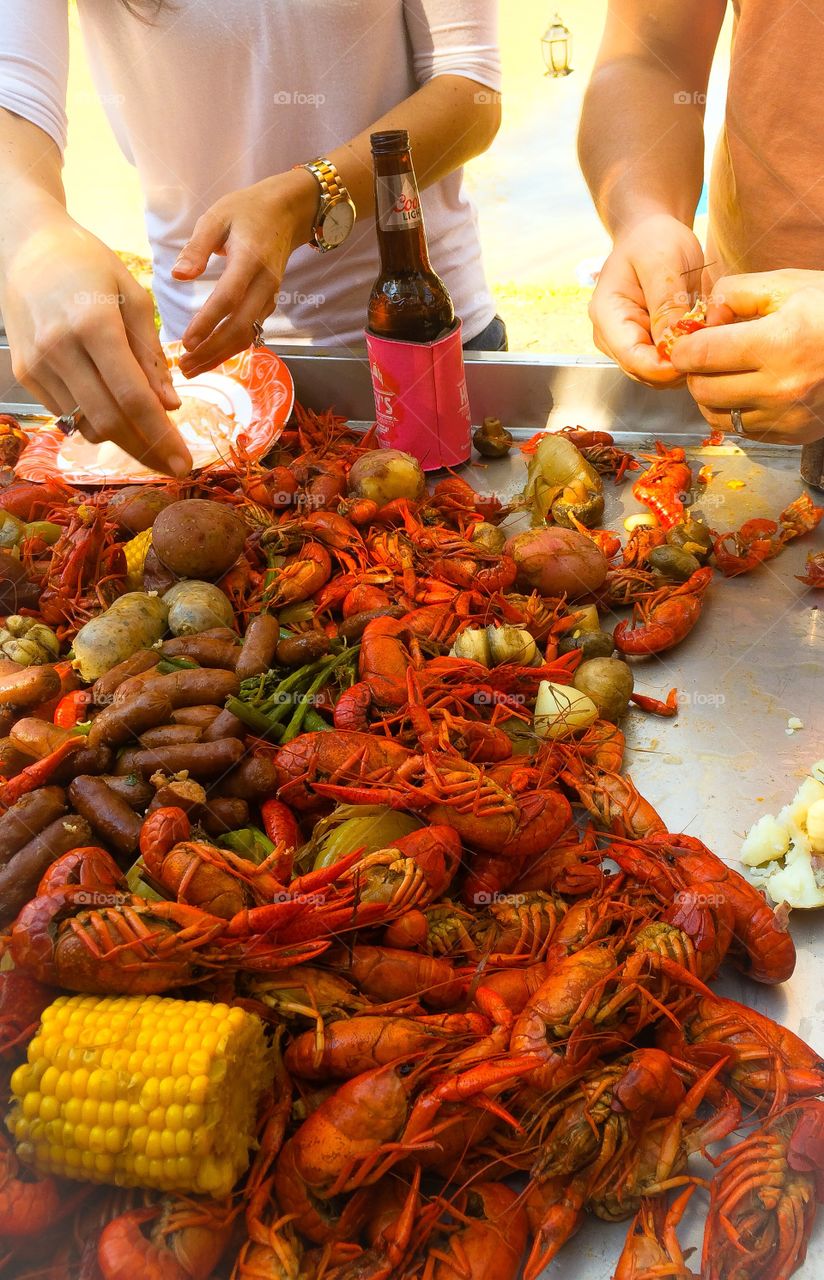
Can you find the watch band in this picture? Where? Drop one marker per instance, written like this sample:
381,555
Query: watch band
332,191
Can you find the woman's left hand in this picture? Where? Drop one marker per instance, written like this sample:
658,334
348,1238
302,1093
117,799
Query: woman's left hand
771,368
257,229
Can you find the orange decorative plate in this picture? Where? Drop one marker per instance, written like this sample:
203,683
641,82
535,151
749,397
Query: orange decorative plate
246,400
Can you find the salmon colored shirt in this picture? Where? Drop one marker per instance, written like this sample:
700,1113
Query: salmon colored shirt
767,189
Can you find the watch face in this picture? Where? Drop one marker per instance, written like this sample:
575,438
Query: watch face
338,222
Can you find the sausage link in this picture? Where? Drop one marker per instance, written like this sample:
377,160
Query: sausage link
27,818
114,820
167,735
296,651
122,721
29,687
104,688
137,793
224,813
193,688
352,628
200,759
201,716
254,779
224,725
258,652
207,650
20,877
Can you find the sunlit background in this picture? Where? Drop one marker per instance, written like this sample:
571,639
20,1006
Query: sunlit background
542,241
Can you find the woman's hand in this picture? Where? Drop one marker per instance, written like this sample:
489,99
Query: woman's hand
257,229
81,332
646,283
770,368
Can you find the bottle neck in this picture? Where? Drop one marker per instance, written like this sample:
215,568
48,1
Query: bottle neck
398,215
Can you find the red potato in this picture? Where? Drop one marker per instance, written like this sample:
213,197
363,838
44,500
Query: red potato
557,561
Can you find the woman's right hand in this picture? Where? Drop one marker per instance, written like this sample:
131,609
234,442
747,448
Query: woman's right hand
647,283
81,332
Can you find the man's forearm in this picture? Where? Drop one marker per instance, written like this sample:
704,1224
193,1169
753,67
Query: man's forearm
450,120
641,144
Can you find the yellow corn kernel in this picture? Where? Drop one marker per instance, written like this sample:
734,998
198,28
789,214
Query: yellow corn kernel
141,1091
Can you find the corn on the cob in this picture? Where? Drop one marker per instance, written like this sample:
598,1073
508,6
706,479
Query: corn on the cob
141,1091
135,552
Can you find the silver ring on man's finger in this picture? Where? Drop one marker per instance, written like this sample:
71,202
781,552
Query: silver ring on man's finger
257,341
68,422
737,424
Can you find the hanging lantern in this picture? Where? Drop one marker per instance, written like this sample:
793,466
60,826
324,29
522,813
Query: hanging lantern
556,43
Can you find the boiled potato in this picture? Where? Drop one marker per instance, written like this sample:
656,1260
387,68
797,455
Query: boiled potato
608,682
197,606
135,621
198,539
136,507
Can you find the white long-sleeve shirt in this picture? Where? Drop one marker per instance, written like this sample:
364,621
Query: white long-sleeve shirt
211,97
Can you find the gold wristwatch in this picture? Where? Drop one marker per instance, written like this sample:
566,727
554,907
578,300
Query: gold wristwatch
336,211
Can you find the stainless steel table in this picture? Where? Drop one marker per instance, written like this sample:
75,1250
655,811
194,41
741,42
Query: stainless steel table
755,659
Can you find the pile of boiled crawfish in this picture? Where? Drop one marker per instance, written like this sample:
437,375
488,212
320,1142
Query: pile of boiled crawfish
496,1025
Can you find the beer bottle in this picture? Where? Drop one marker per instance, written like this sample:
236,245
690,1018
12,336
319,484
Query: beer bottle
409,301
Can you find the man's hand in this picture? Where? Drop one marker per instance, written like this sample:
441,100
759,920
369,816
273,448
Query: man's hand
81,332
771,368
257,229
647,283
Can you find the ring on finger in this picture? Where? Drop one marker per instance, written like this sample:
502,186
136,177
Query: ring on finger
68,422
737,424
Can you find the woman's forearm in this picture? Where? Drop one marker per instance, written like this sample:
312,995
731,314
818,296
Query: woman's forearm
450,120
30,176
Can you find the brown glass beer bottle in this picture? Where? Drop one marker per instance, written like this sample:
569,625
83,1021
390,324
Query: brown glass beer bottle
409,301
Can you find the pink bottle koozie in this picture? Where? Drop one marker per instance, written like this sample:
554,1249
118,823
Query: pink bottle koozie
421,403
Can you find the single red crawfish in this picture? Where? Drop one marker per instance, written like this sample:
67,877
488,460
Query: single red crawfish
300,577
651,1249
763,1198
477,575
671,863
86,572
814,571
640,542
663,619
601,452
665,484
747,548
691,322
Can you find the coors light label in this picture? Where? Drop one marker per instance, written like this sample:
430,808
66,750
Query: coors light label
399,205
